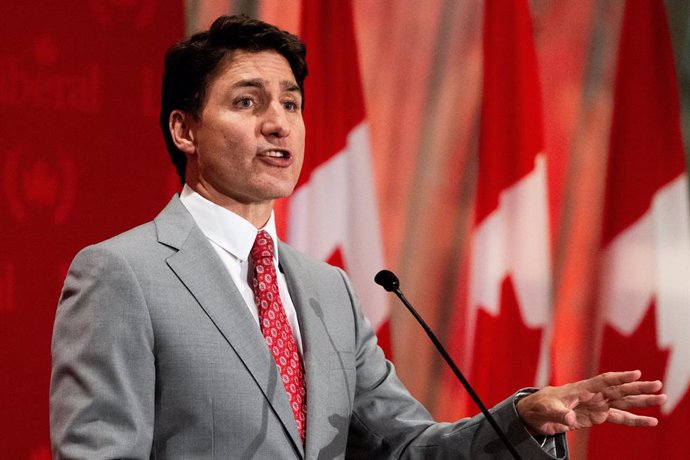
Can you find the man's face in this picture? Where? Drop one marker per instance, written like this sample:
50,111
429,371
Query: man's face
248,144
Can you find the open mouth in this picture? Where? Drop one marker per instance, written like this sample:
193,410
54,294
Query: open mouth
276,154
276,157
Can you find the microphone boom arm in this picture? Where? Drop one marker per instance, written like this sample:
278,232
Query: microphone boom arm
390,283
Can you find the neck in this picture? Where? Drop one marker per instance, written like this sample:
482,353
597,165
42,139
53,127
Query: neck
255,213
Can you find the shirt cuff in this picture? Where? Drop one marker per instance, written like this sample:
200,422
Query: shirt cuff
552,445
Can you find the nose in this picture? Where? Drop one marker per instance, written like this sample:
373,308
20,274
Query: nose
275,122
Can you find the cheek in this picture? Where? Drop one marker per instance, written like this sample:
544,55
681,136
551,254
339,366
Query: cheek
299,144
298,158
299,162
226,147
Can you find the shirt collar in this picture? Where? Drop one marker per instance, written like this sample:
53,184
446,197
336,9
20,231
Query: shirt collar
225,228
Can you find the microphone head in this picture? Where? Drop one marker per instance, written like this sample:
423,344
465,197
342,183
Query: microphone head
387,280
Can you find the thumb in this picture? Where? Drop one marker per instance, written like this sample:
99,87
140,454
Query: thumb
569,418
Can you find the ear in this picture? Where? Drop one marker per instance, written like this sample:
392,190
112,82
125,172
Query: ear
181,125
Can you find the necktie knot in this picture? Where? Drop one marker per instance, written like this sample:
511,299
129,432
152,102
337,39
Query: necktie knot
263,247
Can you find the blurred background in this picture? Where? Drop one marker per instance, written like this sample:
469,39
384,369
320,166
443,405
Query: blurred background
438,131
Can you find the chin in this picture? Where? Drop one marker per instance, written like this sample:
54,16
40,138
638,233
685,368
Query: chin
281,190
281,194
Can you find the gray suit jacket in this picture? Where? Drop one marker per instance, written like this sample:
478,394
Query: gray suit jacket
155,355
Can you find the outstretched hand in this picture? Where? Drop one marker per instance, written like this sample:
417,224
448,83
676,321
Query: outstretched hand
604,398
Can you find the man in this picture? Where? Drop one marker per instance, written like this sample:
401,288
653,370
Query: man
198,335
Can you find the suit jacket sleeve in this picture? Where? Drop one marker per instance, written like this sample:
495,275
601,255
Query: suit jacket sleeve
103,378
387,422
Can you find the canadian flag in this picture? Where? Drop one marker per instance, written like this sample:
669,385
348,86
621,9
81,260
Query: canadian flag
644,293
333,214
509,304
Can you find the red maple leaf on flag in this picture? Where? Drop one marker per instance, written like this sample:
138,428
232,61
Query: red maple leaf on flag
507,346
640,351
336,258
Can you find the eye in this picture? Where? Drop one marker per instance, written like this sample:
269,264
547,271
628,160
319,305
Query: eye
244,103
291,106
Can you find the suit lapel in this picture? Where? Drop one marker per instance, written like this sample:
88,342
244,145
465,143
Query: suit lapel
315,345
199,268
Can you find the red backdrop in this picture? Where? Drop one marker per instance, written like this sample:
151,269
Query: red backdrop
81,158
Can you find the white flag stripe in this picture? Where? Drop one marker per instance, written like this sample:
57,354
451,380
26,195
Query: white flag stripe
627,279
649,261
514,240
337,208
672,235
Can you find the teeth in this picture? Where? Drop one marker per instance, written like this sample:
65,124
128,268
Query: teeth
275,154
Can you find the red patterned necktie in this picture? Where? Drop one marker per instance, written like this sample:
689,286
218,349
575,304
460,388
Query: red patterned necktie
276,328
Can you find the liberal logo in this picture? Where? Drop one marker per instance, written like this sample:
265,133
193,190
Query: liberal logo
40,83
136,12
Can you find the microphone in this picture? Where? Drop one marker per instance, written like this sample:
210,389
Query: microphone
390,283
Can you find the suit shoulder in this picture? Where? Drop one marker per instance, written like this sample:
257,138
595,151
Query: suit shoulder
132,240
135,246
144,238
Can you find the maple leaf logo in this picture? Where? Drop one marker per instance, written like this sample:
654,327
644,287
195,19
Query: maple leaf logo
640,351
506,350
36,186
40,183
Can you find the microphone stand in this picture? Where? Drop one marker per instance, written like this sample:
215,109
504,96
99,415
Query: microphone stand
390,283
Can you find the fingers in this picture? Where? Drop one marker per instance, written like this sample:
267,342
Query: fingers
602,381
550,429
622,417
614,386
632,388
630,402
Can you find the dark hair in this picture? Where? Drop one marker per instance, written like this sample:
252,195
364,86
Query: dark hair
191,64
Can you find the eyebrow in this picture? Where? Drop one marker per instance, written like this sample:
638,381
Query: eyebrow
285,85
291,86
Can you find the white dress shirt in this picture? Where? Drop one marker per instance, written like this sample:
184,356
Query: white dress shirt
232,237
